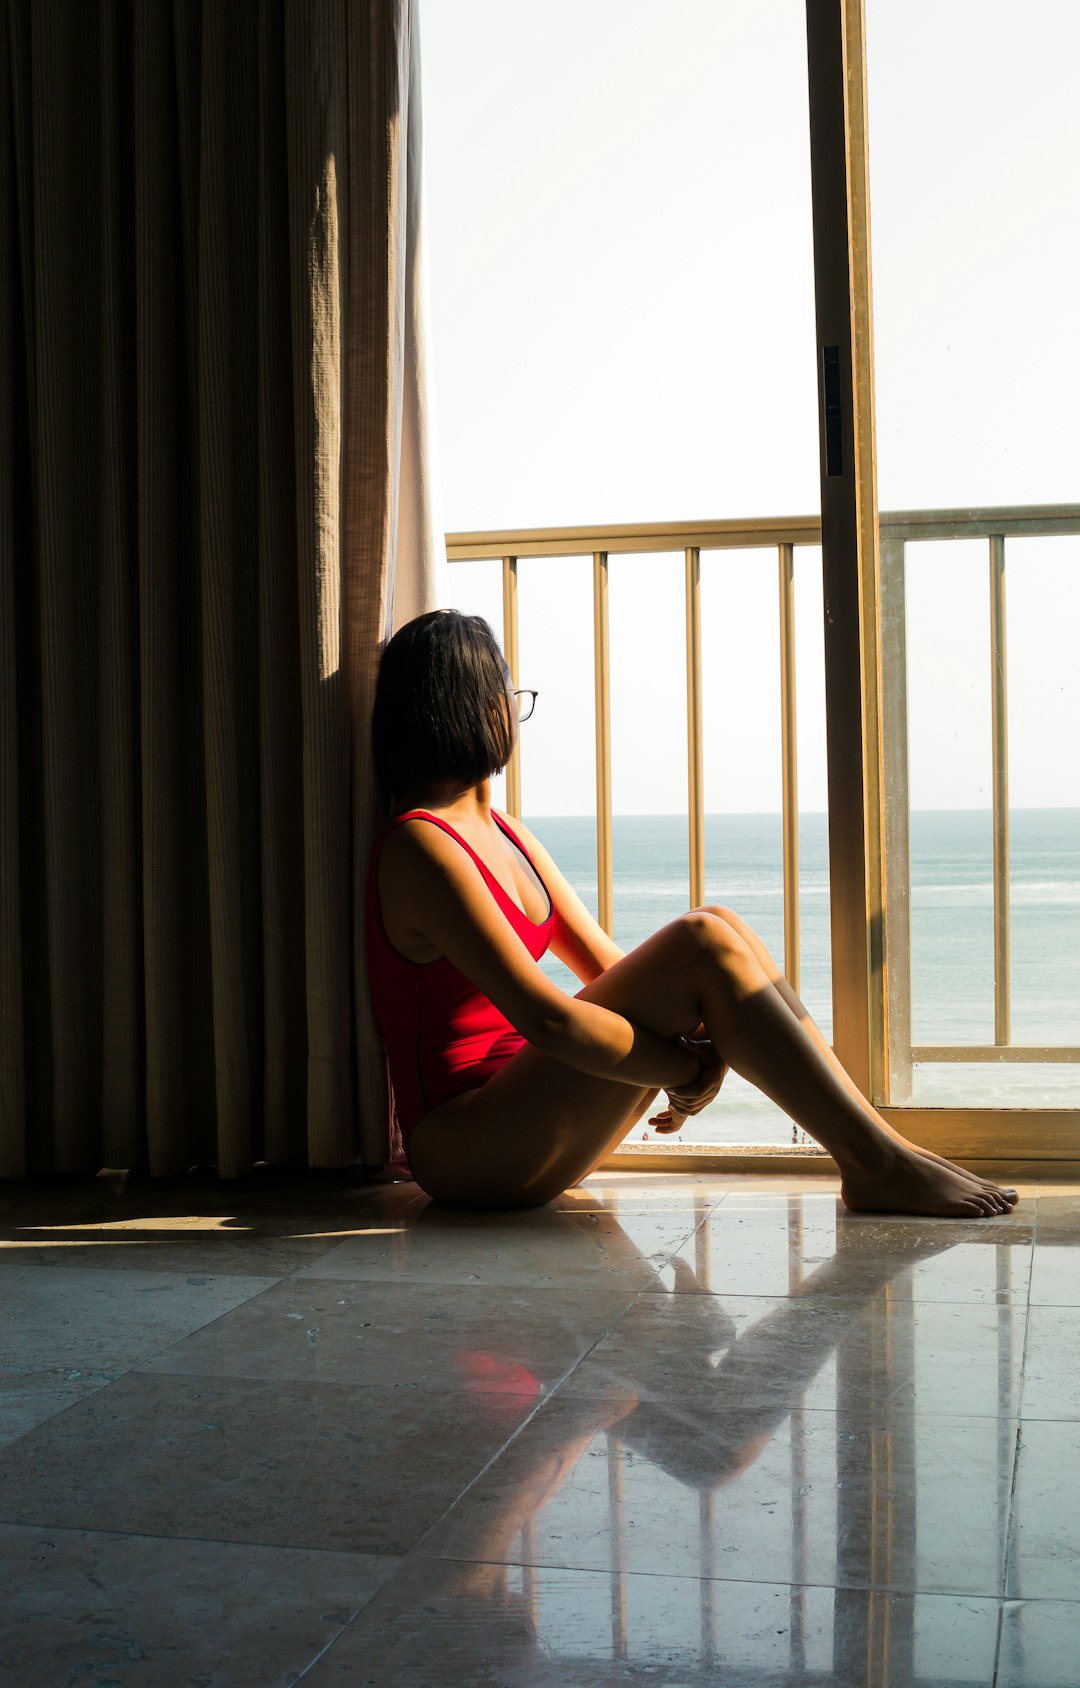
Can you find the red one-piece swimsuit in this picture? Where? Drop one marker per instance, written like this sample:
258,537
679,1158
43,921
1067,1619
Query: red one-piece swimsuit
442,1035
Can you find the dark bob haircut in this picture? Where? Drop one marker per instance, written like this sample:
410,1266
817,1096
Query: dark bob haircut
441,704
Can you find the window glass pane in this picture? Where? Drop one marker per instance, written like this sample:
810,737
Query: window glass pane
975,223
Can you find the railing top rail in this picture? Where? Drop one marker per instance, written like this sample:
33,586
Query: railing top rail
976,523
635,536
750,532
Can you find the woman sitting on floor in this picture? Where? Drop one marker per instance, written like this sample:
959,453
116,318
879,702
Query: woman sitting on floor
507,1089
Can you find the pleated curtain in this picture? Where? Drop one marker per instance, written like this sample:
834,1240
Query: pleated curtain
216,502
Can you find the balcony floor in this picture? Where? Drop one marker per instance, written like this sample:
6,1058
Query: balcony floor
673,1429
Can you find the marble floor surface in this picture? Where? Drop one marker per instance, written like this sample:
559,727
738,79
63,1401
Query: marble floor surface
672,1429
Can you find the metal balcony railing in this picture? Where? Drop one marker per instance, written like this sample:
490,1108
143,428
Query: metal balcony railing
896,530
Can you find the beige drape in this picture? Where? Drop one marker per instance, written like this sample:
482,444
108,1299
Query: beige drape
215,504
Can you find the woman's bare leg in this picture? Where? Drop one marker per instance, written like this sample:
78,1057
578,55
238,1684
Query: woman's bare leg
798,1007
539,1124
645,1100
766,1042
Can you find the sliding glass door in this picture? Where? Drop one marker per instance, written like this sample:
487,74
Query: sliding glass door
961,126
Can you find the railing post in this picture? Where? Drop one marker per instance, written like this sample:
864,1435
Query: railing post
510,652
789,766
892,557
602,707
694,782
1000,743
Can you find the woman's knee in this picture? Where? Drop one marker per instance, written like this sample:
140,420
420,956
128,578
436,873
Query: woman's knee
709,932
729,915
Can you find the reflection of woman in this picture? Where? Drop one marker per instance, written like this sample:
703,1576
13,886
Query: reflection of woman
508,1090
673,1402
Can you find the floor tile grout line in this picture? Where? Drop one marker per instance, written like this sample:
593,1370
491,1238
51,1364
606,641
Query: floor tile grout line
334,1639
468,1389
244,1301
218,1378
382,1591
414,1555
850,1415
212,1270
374,1554
690,1296
866,1418
556,1391
51,1417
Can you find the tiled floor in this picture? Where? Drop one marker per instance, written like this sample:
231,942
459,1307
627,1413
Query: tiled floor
668,1431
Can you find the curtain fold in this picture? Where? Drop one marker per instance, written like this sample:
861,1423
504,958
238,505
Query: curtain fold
212,395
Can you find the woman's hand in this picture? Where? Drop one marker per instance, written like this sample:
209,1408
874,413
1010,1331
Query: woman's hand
699,1093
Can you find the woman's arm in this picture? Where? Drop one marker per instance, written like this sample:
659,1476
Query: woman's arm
451,905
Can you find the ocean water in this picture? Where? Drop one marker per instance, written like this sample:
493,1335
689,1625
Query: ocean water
951,936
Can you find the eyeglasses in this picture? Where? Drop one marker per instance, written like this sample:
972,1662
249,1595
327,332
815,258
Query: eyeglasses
526,702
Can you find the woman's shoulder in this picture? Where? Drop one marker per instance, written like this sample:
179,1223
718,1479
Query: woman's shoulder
403,833
405,855
413,841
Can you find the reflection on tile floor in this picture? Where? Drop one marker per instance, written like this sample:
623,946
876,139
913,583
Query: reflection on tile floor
678,1430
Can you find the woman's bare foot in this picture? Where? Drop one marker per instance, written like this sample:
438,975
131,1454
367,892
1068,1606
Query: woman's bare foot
1010,1195
906,1181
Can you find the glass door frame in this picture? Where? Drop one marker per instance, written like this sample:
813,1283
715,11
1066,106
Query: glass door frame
869,927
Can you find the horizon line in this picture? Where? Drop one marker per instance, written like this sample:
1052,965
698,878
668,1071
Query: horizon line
727,814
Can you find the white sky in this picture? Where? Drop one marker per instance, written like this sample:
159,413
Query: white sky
620,270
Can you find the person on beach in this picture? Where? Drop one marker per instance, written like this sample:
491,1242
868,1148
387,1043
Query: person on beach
507,1089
